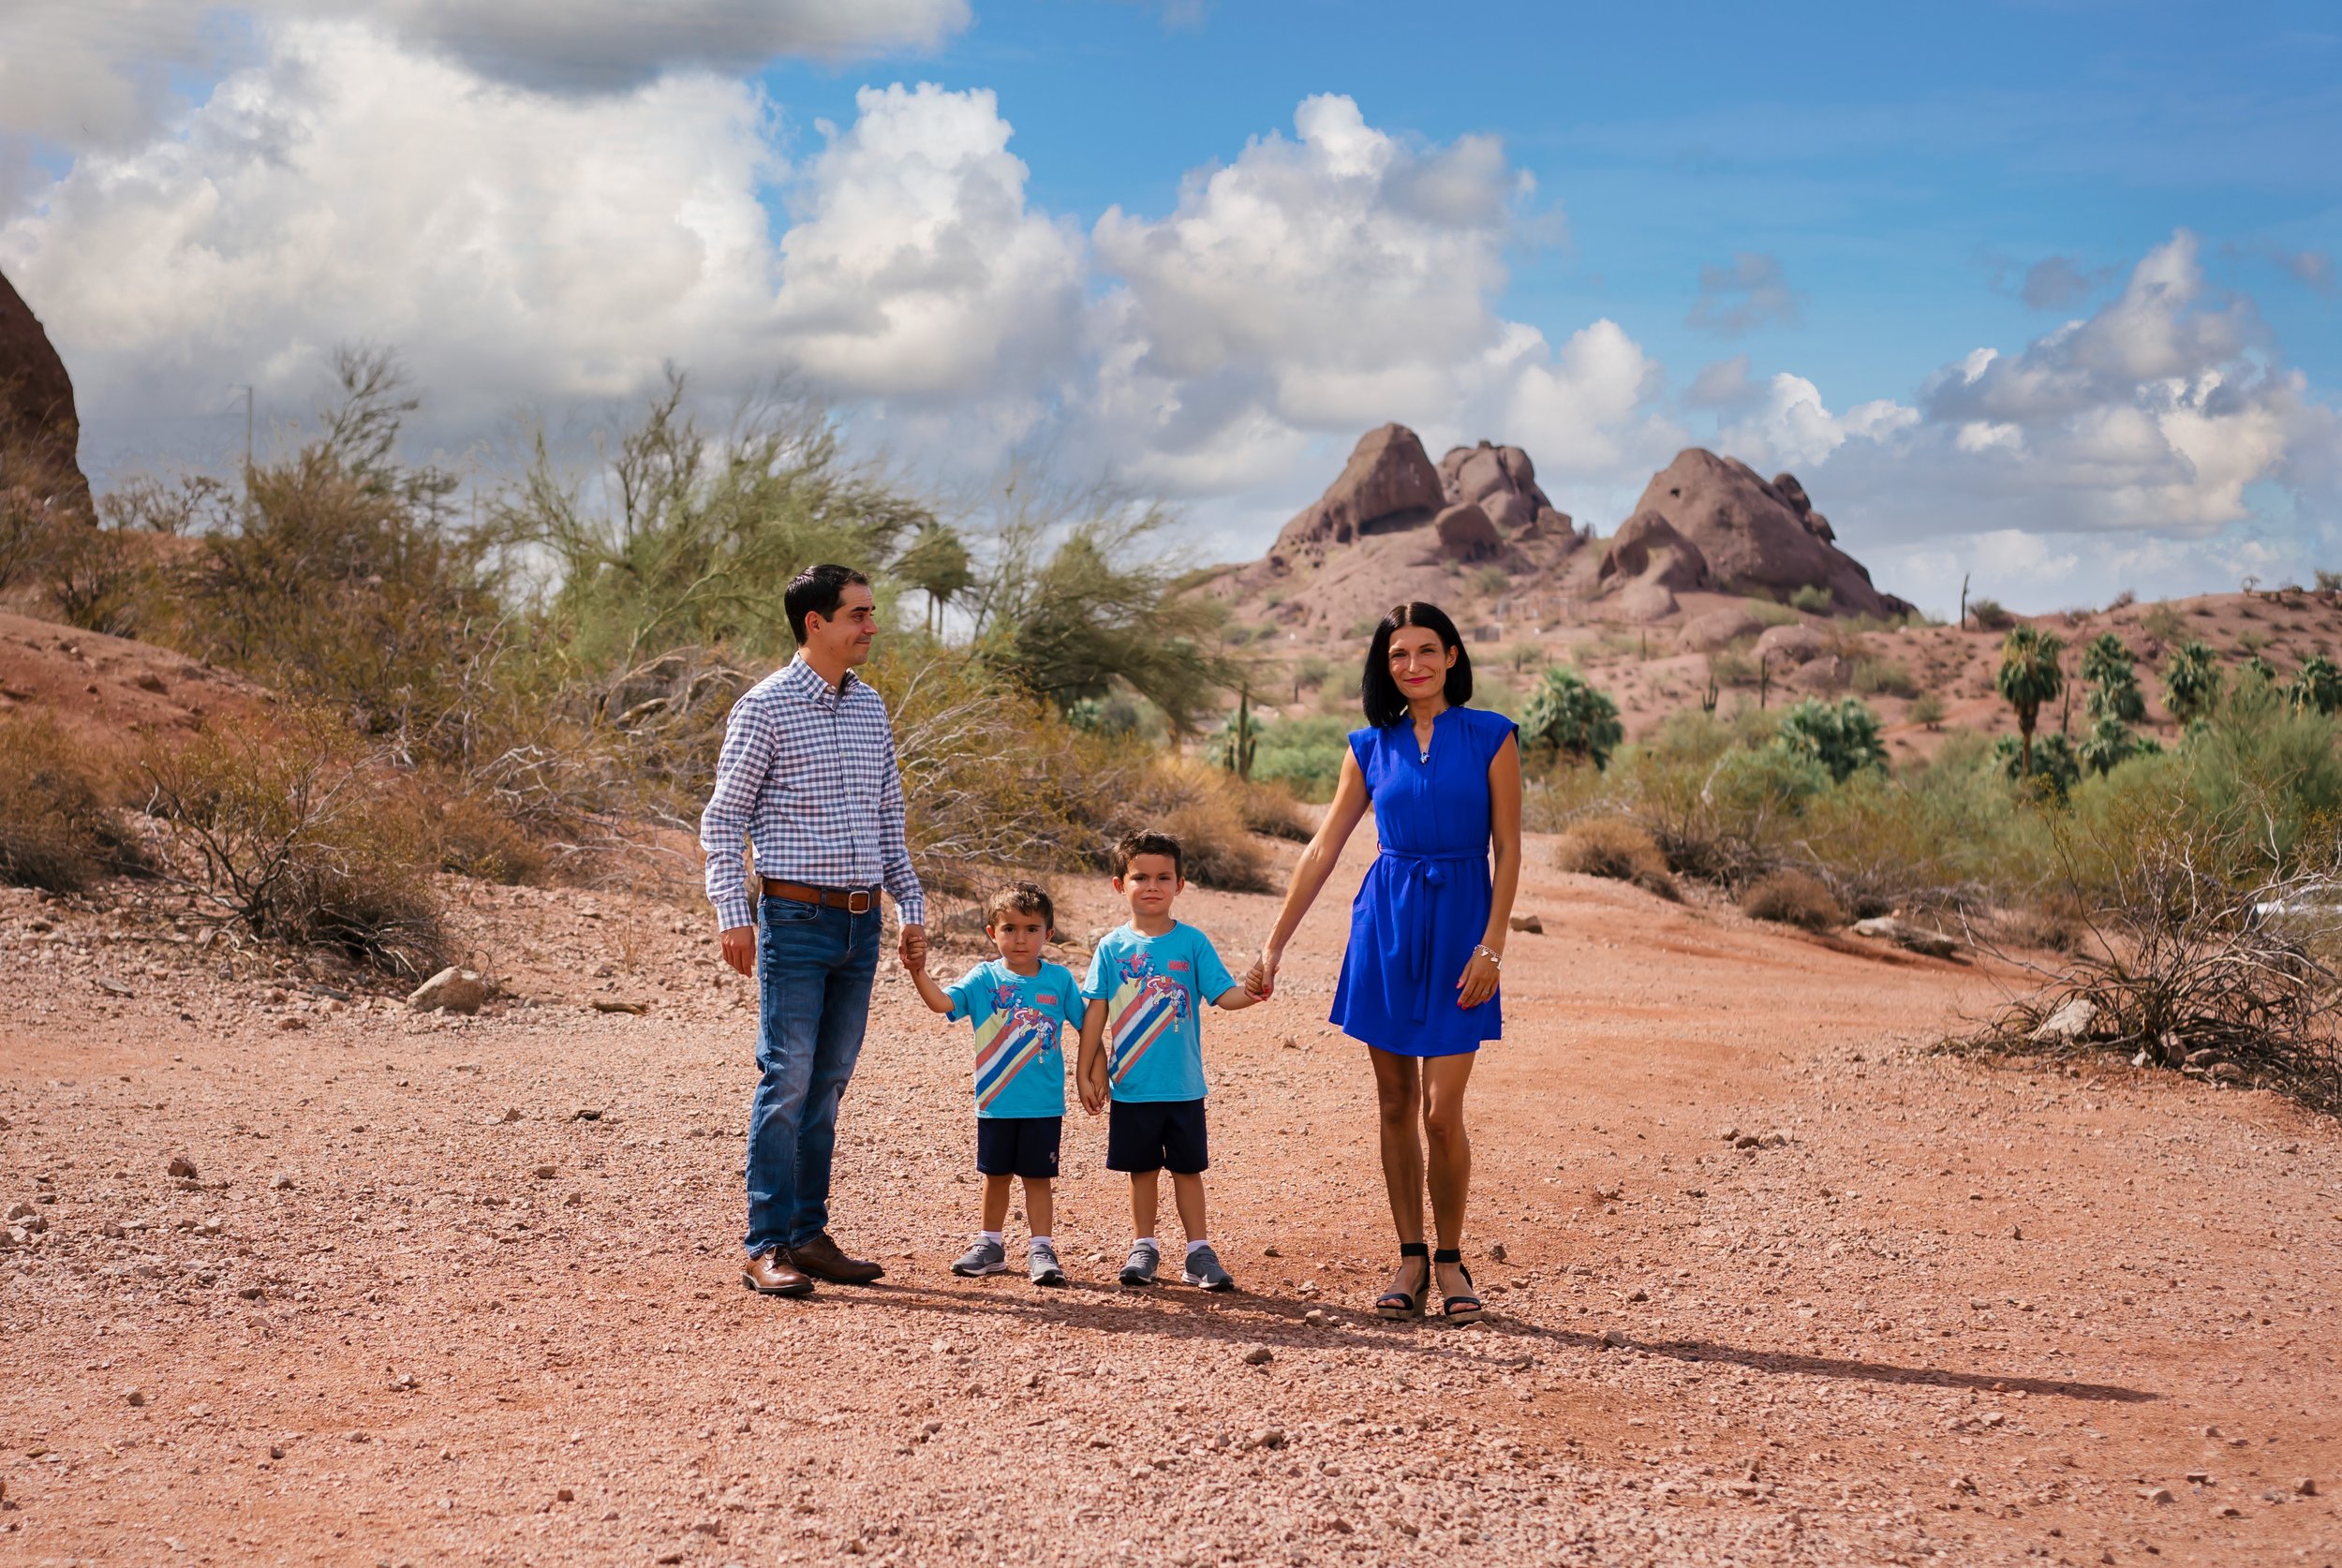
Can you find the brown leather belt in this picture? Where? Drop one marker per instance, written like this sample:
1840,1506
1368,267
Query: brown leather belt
858,901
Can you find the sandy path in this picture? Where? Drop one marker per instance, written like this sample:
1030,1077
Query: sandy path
1963,1315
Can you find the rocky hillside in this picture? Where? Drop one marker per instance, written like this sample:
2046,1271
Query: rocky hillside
41,436
1394,526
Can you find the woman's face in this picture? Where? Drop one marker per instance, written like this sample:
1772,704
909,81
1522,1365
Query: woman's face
1419,662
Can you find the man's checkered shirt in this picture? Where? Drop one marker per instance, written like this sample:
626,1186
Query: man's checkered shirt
808,775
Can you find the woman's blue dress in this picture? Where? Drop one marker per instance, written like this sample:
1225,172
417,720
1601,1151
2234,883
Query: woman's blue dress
1424,905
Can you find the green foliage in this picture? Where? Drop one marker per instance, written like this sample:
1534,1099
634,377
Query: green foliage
2048,761
1813,599
1567,715
2118,699
2111,742
1989,616
1884,677
1843,738
1928,708
1240,738
58,826
2029,675
2105,657
1303,753
937,563
2191,681
2316,685
684,539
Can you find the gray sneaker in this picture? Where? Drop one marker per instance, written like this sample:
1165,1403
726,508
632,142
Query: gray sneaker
985,1257
1202,1268
1045,1270
1140,1269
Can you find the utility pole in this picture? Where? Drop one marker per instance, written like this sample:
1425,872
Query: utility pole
248,433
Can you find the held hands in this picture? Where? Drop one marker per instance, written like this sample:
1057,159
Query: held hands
1093,1084
1478,983
1261,979
914,948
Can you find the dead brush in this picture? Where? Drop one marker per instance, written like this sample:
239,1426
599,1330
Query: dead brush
2186,964
1617,847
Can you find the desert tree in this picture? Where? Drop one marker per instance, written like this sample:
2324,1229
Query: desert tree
2191,681
2029,676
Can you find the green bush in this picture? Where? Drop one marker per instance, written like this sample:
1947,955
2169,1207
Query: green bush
1813,599
1843,738
1884,677
1303,753
1567,715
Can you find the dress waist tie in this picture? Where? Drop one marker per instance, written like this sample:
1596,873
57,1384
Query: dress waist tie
1413,882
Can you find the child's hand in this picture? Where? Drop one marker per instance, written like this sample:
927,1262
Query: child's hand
1093,1092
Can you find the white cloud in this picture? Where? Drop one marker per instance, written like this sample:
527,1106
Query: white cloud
97,73
1752,292
1789,427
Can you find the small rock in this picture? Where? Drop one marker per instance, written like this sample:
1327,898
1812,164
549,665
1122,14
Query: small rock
2305,1486
611,1004
134,1395
1963,1484
1917,938
452,990
2201,1477
2227,1072
583,1114
1614,1340
2155,1494
1270,1253
1496,1253
1530,924
565,1495
1260,1355
1638,1296
1289,1043
1747,1140
292,1021
511,1115
113,987
1729,1134
2072,1021
1315,1317
544,1173
181,1167
280,1183
20,1210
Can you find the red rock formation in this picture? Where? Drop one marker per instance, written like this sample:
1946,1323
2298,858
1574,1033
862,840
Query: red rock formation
40,437
1387,484
1504,484
1759,537
1647,548
1465,533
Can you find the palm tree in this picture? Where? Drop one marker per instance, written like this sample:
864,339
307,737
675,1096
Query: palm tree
2030,677
2317,685
2106,659
2191,682
937,563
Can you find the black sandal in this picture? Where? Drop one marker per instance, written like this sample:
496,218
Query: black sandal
1463,1307
1400,1304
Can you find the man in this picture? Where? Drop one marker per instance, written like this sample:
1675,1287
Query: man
808,775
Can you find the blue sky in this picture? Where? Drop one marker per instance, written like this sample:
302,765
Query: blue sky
1204,246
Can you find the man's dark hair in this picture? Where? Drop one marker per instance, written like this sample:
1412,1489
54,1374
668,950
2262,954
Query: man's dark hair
1379,693
1148,844
1022,899
816,591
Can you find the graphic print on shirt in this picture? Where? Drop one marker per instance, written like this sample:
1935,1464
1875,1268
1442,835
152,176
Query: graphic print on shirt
1144,1007
1008,1042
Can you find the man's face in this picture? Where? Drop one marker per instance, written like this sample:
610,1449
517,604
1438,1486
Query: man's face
847,634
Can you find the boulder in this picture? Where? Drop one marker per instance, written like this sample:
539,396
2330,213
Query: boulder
1466,534
1511,512
1794,644
1648,548
1820,676
2077,1019
1644,601
1802,504
1504,482
1755,536
1711,630
452,990
1387,484
40,435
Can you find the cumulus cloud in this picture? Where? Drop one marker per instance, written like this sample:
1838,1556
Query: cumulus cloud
1752,292
98,72
1318,286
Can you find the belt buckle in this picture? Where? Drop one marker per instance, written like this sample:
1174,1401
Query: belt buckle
858,901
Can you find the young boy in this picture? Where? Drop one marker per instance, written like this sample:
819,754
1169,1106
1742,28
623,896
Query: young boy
1141,1047
1017,1001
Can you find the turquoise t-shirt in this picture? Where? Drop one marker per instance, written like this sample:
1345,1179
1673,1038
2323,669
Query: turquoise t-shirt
1154,988
1020,1059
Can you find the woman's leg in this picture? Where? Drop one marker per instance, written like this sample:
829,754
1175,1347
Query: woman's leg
1449,1152
1399,1096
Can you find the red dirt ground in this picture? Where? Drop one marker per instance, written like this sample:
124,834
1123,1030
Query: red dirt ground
1965,1313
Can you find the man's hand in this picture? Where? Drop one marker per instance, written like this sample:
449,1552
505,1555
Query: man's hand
740,949
914,947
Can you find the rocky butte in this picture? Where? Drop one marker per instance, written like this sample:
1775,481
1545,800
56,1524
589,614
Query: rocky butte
40,437
1394,526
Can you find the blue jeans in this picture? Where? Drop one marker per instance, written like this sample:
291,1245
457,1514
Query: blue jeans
814,969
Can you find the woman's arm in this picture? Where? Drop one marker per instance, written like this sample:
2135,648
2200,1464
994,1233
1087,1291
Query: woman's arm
1308,877
1478,983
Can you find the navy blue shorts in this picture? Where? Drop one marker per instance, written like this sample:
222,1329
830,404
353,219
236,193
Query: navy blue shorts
1018,1145
1156,1135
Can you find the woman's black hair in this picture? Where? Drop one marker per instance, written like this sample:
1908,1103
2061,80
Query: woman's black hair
1380,693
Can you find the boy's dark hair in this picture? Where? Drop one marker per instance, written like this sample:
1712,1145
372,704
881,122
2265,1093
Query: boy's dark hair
1379,693
816,591
1021,898
1139,844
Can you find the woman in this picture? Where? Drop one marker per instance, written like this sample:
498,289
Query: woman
1426,932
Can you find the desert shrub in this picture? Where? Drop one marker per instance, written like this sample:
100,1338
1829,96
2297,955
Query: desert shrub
2057,924
1770,610
1843,738
1731,667
1303,753
1614,847
1196,804
1568,717
1928,708
1812,598
1273,809
473,838
1947,837
1990,616
2328,582
302,837
1793,899
2189,966
58,826
1884,677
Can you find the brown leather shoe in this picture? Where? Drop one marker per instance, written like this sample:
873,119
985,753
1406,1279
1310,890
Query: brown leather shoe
821,1258
770,1273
